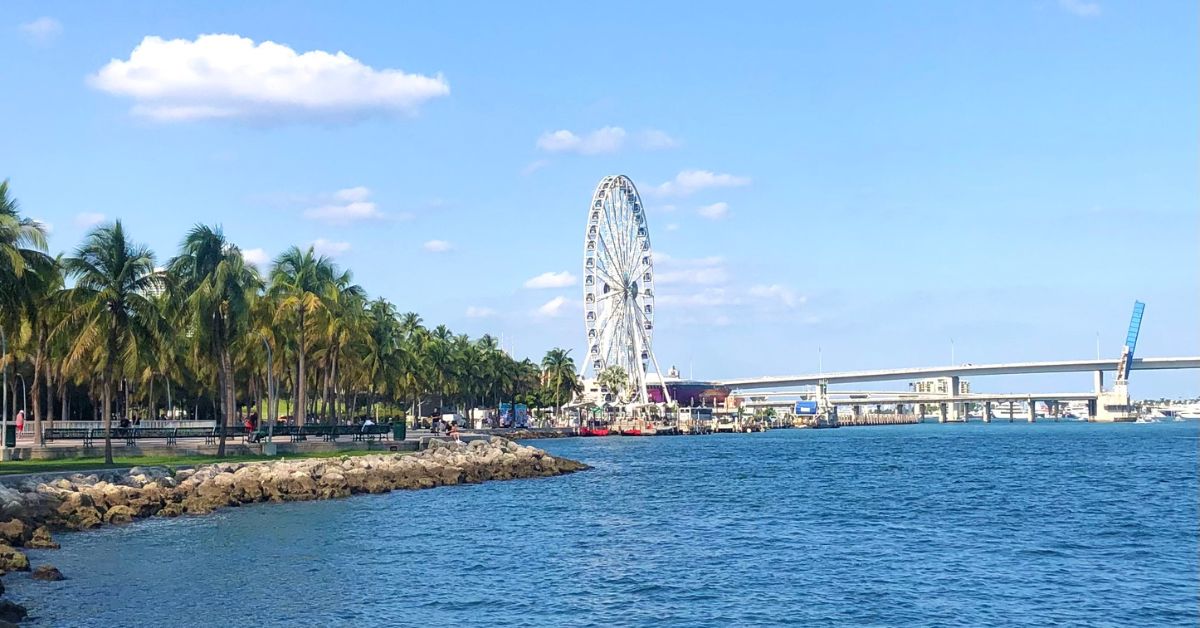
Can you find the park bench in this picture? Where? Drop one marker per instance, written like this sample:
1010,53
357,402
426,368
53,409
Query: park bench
135,433
70,433
372,432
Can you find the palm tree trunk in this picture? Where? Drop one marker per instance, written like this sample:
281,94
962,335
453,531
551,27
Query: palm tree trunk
49,394
333,384
108,457
301,406
36,391
228,398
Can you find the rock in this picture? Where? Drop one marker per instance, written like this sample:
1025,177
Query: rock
119,514
172,509
14,533
84,518
41,539
11,611
12,559
48,573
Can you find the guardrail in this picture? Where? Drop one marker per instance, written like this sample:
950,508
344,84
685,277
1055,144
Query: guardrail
90,425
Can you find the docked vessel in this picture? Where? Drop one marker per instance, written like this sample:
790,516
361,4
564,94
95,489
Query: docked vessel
594,428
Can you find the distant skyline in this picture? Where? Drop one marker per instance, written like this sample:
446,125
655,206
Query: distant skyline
842,186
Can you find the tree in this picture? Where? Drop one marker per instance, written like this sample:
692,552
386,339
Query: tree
558,372
22,252
615,379
43,316
215,288
299,281
113,277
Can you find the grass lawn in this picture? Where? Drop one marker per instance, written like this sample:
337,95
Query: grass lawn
90,464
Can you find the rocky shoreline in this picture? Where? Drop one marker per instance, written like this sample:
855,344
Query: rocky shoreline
33,506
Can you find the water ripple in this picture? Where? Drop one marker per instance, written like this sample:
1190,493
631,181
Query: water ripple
1007,524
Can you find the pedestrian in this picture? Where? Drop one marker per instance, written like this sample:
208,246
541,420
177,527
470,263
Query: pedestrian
20,420
454,431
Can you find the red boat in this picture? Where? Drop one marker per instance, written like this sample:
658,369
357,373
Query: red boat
594,428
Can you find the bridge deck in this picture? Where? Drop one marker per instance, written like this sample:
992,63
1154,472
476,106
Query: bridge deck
971,370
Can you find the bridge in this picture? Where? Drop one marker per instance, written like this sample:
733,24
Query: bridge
965,370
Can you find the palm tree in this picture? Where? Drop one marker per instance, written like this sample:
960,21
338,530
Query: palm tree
43,317
215,288
558,371
299,280
340,324
615,379
113,277
22,251
22,257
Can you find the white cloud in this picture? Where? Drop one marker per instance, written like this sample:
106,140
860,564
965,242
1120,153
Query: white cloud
534,166
551,280
437,246
716,211
1082,8
689,182
42,30
692,276
226,76
474,311
349,205
672,226
552,308
661,257
609,139
708,297
695,271
653,139
257,257
332,249
606,140
777,292
88,219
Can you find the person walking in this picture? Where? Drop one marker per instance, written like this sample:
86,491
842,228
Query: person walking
20,421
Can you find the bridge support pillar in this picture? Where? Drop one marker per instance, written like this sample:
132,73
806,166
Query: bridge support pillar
956,408
1011,411
1098,382
941,413
987,412
1032,411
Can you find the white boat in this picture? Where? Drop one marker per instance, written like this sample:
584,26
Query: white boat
1188,412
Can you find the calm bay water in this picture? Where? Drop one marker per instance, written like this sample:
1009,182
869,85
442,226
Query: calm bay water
1010,524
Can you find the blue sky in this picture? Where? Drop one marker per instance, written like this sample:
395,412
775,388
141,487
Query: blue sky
866,182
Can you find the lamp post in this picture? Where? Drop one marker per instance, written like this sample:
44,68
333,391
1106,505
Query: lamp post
270,392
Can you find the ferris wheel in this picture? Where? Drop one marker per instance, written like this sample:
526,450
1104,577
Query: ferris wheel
618,285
